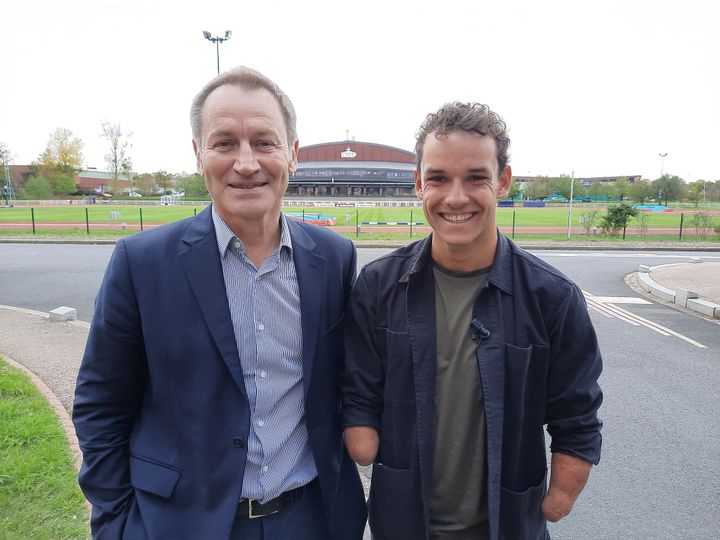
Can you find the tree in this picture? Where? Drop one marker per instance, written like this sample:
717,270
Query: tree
145,184
514,189
126,167
118,153
616,218
669,188
37,187
622,187
164,180
62,184
63,153
192,185
538,189
597,190
561,186
712,191
61,161
640,190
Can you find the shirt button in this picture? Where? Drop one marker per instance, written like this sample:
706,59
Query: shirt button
265,468
237,245
238,442
261,327
261,423
263,374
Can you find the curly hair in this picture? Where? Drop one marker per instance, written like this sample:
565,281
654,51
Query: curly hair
472,117
247,79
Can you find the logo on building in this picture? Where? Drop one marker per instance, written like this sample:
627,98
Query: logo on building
348,153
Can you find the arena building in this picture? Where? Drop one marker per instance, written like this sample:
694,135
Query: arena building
353,169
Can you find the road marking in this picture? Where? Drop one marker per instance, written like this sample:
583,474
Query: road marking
605,305
622,255
620,300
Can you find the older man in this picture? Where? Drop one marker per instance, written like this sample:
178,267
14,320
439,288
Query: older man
460,347
207,402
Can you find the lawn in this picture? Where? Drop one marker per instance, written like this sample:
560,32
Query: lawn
39,495
521,223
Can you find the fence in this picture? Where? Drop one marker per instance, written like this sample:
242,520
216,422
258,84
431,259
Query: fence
378,222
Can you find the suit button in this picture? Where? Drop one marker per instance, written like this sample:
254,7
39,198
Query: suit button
238,442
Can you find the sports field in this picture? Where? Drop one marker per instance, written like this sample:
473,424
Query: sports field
364,223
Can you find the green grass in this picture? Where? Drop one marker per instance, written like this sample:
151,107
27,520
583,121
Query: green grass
549,222
39,495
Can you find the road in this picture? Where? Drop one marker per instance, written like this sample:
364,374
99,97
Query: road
659,476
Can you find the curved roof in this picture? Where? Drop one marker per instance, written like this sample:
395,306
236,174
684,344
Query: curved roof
350,151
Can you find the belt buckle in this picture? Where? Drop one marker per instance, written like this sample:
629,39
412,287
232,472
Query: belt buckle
251,515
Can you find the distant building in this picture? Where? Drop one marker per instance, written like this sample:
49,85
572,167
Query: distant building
92,181
88,181
524,180
350,168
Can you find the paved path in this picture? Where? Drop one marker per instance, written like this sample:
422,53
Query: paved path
53,350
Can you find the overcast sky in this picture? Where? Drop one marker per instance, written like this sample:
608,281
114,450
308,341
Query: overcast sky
595,87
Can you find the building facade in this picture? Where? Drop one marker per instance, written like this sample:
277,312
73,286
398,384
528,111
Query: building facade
353,169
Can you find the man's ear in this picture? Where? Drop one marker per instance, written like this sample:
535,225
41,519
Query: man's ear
418,183
505,181
198,157
293,165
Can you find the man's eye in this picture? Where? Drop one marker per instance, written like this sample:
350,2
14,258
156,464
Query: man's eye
222,145
477,178
265,145
435,179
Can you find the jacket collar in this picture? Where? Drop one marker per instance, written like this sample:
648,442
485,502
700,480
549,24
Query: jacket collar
500,274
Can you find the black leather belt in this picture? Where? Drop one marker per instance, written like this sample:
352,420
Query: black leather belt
252,509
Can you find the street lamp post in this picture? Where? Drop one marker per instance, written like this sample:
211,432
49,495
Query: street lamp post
662,162
217,40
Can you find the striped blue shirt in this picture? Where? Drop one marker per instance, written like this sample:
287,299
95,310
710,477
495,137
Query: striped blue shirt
265,309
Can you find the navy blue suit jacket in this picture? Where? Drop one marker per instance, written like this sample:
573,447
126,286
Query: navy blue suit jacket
160,408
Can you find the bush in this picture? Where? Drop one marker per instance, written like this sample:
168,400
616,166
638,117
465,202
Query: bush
616,218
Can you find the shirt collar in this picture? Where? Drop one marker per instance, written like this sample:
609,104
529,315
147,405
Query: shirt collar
224,234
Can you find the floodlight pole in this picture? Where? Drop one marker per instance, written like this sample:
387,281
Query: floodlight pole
217,40
662,162
572,185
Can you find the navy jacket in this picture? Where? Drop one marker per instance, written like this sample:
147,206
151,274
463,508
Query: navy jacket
160,407
539,364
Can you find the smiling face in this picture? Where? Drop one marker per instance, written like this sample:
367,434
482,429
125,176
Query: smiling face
244,156
459,183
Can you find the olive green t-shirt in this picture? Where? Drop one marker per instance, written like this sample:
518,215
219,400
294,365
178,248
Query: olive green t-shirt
459,495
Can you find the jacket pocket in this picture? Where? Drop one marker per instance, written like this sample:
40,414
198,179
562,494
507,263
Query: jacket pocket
153,477
521,516
391,505
525,384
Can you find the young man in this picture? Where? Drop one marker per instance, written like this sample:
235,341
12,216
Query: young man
207,403
459,349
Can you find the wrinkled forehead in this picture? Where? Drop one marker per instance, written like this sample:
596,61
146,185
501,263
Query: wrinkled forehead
231,101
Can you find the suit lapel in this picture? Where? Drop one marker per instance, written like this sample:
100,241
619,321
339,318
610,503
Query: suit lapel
200,259
310,270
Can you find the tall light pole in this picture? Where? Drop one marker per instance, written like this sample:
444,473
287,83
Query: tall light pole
662,162
217,41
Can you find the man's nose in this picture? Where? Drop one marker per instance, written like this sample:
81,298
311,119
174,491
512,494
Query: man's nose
457,194
245,160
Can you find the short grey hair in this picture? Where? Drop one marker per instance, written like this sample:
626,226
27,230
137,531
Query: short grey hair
247,79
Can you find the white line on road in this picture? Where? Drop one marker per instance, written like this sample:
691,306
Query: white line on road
608,309
622,255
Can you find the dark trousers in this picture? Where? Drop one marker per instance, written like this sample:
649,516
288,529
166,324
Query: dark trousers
303,519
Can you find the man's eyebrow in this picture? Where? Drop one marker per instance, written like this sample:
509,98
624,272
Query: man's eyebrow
433,170
480,170
220,133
